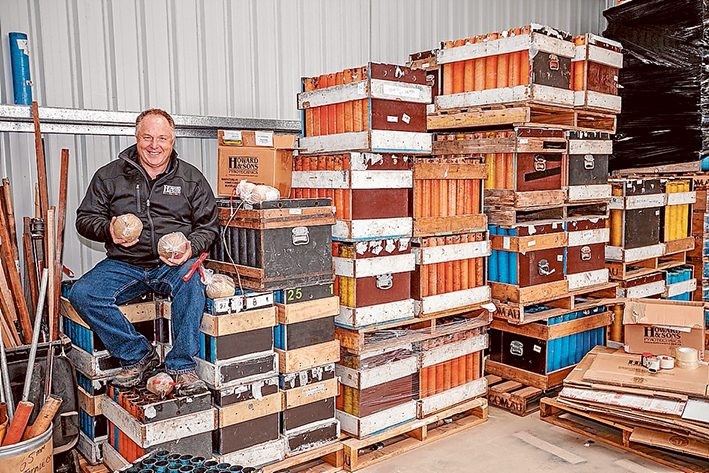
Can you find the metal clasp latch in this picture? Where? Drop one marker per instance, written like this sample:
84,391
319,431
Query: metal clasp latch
585,253
385,281
300,235
589,161
553,62
543,268
516,348
540,163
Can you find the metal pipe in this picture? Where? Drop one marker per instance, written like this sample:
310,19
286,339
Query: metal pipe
35,334
5,375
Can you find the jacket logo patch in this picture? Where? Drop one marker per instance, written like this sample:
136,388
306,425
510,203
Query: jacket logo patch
172,190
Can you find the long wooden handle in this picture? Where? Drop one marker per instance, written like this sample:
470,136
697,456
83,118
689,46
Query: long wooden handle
58,256
16,429
44,418
15,283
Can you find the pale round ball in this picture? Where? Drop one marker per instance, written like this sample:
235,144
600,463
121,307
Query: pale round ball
220,286
127,227
172,245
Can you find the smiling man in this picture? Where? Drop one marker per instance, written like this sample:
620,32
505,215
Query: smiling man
168,195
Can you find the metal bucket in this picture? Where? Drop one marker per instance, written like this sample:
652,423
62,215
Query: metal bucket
34,455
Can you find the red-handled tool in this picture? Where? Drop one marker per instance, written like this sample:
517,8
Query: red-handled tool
195,265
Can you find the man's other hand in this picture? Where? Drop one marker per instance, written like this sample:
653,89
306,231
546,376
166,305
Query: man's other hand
120,241
178,261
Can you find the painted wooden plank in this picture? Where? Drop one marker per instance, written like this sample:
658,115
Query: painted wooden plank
589,237
309,393
375,140
643,290
368,267
634,202
444,253
535,41
451,300
363,426
588,278
247,410
362,379
376,314
449,170
604,56
679,198
446,399
148,435
372,88
453,350
256,456
590,147
690,285
308,357
352,179
217,325
370,229
616,253
214,376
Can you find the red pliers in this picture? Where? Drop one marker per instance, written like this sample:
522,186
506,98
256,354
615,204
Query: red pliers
196,265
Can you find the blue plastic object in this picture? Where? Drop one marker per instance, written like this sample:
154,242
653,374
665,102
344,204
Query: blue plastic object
20,61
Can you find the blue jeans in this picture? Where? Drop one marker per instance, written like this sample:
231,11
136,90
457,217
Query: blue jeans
97,294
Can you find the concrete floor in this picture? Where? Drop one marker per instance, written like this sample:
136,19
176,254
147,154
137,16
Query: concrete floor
508,443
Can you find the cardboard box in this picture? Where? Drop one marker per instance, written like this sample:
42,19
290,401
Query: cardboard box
621,369
660,326
261,157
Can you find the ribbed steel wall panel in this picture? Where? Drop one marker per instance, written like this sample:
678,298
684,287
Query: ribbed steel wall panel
238,58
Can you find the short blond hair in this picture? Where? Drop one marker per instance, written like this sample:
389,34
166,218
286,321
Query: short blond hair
155,111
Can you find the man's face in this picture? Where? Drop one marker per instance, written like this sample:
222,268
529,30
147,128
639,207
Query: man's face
155,139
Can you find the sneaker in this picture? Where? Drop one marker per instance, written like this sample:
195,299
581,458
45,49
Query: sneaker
135,375
190,384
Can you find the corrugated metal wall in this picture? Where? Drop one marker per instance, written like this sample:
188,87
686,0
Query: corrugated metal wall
238,58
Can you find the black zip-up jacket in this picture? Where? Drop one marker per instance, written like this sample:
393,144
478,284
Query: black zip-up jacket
179,200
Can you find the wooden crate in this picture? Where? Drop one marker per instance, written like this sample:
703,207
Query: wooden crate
541,69
587,171
457,261
364,99
413,434
254,241
616,434
447,194
514,396
541,354
370,191
594,73
621,271
374,281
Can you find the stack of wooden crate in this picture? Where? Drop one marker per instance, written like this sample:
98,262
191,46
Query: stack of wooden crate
95,367
651,237
282,246
537,106
360,136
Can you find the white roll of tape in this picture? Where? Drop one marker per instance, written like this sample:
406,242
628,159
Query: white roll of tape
666,362
686,358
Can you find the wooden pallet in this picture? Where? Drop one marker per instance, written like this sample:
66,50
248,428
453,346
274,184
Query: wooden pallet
364,340
325,459
520,114
514,396
417,433
560,303
509,216
619,271
616,434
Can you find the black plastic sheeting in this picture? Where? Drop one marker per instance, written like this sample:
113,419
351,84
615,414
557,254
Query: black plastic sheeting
664,83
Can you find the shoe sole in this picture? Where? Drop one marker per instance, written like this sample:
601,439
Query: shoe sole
151,365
